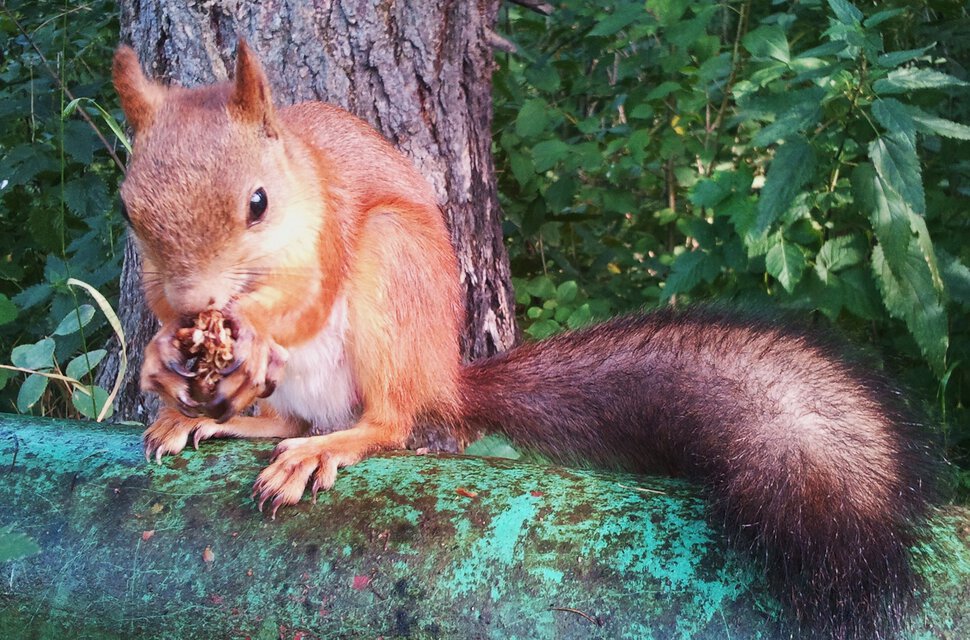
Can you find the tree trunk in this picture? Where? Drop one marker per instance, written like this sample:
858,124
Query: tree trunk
420,72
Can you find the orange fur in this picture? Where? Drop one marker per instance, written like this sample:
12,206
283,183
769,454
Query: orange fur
349,218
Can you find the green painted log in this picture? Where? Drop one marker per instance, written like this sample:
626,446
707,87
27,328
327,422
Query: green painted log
404,545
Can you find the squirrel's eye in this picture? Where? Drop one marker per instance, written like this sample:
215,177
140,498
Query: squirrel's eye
257,206
124,212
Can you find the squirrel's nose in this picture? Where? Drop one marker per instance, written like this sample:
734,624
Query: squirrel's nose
189,297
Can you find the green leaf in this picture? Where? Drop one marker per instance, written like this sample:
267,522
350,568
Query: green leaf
619,19
846,12
533,118
90,402
896,58
567,291
768,42
934,125
663,90
87,196
792,167
956,275
543,329
31,391
75,320
898,228
894,157
895,117
786,262
522,168
913,78
541,287
492,446
793,121
109,120
668,12
8,310
546,154
84,363
687,271
36,356
881,16
581,317
14,546
909,295
838,254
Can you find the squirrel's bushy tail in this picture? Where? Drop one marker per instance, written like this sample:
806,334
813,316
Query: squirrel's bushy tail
810,461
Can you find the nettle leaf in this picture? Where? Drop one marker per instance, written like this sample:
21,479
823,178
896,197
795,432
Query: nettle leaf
8,310
688,270
23,163
895,117
533,118
35,357
89,401
75,320
792,167
793,121
846,12
934,125
956,275
912,78
897,226
31,391
909,295
87,196
786,262
896,58
839,253
768,41
84,363
894,157
881,16
80,141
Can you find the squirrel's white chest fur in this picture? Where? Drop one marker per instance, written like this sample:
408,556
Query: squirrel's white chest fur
318,384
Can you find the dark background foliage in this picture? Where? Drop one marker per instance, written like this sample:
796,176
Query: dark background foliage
810,156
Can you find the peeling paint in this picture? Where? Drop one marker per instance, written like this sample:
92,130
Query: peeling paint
394,549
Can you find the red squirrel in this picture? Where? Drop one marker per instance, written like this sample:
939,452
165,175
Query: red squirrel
326,250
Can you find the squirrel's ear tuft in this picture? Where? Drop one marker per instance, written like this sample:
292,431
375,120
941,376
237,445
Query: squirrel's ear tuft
140,97
252,100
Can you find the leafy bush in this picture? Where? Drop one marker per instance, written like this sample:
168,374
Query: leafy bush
795,154
58,180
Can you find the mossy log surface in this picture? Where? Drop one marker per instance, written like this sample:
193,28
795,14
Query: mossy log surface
403,546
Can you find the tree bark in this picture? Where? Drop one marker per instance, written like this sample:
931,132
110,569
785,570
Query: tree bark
420,72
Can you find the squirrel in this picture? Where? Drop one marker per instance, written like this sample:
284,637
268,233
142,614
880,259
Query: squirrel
327,251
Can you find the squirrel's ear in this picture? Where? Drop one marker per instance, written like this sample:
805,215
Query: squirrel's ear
140,97
251,99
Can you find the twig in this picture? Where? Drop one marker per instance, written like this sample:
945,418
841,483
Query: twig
715,128
63,87
595,621
643,489
538,6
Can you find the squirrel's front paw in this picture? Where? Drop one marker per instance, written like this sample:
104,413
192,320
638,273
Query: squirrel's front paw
254,372
165,372
170,433
294,461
